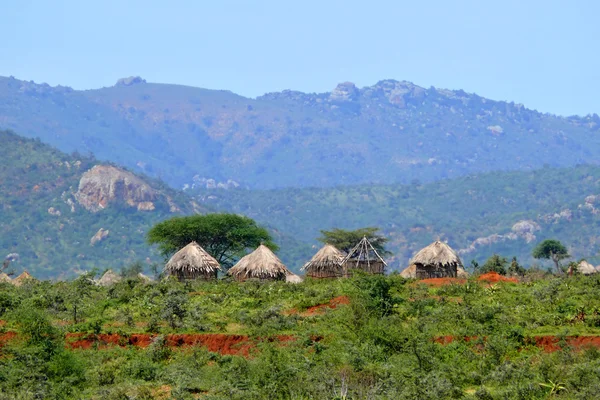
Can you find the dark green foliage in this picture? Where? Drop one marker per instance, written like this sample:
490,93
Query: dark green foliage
389,342
224,236
551,249
495,263
42,222
345,240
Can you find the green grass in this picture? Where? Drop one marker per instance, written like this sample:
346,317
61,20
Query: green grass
381,345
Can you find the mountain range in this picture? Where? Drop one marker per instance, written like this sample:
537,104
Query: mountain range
391,132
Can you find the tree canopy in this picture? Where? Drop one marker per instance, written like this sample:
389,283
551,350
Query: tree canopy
551,249
225,236
345,240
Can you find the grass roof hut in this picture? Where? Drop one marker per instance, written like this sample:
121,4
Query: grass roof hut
21,279
326,263
584,268
410,272
365,258
261,264
438,260
293,278
109,278
4,278
193,262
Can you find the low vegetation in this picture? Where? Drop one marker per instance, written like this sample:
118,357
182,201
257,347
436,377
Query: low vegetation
367,337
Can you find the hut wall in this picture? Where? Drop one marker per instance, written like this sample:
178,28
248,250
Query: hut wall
244,278
372,267
186,275
435,271
324,274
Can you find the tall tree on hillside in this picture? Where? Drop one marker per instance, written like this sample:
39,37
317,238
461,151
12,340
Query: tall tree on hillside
345,240
551,249
224,236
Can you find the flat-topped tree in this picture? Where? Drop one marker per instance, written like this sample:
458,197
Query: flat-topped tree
226,237
551,249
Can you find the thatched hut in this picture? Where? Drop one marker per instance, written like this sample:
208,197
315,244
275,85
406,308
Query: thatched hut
326,263
437,260
193,262
584,268
261,264
21,279
293,278
4,278
365,258
410,272
109,278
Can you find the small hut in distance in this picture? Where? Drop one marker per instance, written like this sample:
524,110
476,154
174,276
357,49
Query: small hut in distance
365,258
262,264
326,263
438,260
192,262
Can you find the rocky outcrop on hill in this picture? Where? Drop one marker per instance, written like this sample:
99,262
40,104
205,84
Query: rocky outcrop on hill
521,230
132,80
105,184
99,236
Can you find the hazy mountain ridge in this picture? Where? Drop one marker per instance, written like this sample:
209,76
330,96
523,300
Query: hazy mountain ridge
389,132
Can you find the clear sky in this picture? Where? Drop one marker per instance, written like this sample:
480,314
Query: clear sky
542,53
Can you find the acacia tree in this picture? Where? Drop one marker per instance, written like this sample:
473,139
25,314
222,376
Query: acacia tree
224,236
346,240
551,249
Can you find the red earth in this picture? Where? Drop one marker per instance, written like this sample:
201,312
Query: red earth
333,303
213,342
494,277
242,345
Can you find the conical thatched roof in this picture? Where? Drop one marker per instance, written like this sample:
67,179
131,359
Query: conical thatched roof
109,278
461,272
21,279
409,272
262,263
144,278
192,260
438,254
293,278
585,268
328,260
4,278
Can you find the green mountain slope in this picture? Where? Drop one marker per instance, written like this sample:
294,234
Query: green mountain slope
48,219
391,132
503,212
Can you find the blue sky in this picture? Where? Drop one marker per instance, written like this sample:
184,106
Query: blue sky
543,54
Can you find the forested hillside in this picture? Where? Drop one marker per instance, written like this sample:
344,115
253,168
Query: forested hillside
503,212
58,217
391,132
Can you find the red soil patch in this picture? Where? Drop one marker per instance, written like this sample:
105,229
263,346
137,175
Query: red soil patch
5,337
216,343
494,277
548,344
333,303
552,343
442,281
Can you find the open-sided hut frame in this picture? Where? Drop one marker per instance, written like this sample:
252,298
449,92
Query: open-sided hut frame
193,262
363,257
326,263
